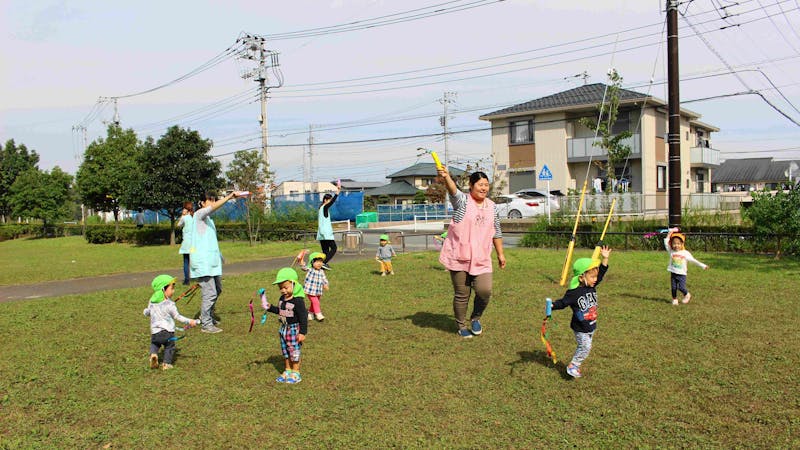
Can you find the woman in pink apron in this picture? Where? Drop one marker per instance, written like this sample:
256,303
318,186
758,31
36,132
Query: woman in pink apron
467,250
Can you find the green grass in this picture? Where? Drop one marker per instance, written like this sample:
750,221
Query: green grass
27,261
386,368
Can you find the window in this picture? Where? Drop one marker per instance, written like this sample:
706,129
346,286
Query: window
623,123
521,132
700,180
661,178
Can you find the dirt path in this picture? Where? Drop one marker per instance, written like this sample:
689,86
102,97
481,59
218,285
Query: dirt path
132,280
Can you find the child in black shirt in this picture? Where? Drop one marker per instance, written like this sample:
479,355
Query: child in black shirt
582,298
293,316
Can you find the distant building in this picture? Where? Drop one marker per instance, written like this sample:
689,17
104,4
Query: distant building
300,187
407,182
349,185
742,175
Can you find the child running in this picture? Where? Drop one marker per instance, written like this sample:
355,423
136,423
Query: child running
163,313
678,267
291,311
384,256
582,298
315,284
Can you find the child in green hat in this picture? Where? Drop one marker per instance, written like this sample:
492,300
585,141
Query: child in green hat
163,313
582,298
291,311
384,255
315,283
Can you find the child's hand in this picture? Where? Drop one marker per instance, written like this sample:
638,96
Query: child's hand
193,323
706,267
261,291
325,287
605,251
377,259
301,337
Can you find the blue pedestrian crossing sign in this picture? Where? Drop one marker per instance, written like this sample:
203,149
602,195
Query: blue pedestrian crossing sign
545,174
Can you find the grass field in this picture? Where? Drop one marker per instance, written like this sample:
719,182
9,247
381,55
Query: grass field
27,261
386,368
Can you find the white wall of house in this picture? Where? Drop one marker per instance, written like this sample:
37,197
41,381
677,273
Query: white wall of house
500,151
551,149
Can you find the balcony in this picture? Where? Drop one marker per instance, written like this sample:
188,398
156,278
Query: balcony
704,157
581,149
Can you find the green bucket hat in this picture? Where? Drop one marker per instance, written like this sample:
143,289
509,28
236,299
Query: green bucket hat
159,283
384,237
580,267
316,255
289,274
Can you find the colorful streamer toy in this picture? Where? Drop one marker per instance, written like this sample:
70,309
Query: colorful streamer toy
182,335
264,304
544,334
436,160
188,293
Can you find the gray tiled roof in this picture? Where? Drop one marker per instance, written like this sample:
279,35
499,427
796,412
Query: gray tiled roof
587,95
423,170
750,170
400,187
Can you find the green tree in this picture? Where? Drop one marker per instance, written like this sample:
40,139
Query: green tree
14,160
176,168
777,213
246,172
41,195
108,166
612,144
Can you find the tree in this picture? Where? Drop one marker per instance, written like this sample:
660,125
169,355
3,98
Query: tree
612,144
246,172
41,195
176,168
107,169
777,214
13,161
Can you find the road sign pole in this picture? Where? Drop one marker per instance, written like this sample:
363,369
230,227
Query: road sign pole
548,202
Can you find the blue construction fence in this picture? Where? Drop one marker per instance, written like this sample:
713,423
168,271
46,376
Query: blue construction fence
397,213
346,207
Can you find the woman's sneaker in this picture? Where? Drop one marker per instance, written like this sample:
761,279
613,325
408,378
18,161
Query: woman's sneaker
464,333
574,371
475,327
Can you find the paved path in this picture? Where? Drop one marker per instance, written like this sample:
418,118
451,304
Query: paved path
133,280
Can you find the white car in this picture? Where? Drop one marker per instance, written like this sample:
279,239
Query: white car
518,207
541,193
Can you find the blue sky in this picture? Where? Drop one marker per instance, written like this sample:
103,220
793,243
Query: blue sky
59,57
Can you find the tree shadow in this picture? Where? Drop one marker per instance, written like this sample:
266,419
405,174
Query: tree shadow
642,297
424,319
539,357
275,360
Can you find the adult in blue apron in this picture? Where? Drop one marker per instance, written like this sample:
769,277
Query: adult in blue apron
325,236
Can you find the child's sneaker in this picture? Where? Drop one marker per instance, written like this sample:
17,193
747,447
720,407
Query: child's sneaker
294,378
153,361
574,371
687,297
391,273
166,366
383,274
310,316
283,377
675,301
319,316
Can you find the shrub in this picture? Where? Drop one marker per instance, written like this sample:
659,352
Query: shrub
101,234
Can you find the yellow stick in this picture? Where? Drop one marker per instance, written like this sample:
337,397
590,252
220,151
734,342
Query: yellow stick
571,248
436,160
596,252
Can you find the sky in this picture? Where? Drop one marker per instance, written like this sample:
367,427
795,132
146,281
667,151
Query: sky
368,76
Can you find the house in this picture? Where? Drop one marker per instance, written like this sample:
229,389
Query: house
743,175
407,182
349,185
546,131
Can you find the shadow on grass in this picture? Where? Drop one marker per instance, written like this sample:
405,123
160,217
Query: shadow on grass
539,357
642,297
274,360
424,319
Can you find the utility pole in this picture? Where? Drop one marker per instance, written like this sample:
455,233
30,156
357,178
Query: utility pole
674,133
447,98
254,50
310,154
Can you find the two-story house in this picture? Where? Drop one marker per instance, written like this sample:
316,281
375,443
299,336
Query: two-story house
407,182
546,131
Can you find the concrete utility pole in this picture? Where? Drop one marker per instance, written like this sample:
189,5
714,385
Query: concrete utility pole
267,59
447,98
310,175
674,100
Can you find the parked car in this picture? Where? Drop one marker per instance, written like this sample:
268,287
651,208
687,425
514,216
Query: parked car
541,193
518,206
